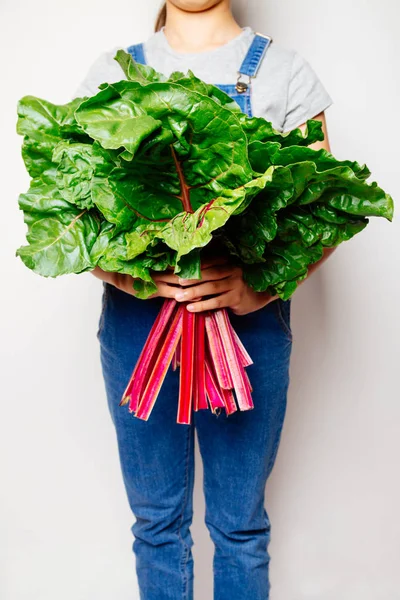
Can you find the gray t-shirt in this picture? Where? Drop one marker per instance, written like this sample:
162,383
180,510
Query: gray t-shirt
286,91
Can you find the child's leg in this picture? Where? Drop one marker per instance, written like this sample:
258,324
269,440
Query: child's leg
156,456
238,454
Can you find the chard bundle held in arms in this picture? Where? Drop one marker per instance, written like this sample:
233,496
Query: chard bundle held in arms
145,174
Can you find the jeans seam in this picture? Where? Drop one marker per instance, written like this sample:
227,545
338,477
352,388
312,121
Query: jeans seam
185,546
282,319
103,309
278,436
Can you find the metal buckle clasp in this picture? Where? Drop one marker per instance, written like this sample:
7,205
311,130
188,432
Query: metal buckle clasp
242,86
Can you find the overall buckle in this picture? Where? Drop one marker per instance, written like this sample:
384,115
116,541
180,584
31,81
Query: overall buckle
242,86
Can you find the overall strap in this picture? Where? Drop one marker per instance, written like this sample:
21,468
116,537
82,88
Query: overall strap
137,53
252,61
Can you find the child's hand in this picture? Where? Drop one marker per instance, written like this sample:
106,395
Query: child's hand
225,283
169,285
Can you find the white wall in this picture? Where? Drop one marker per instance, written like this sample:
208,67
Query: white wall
334,494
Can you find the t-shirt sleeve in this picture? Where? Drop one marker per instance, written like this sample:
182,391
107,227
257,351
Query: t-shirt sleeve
306,94
104,69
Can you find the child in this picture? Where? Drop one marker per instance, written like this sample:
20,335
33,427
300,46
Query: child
238,452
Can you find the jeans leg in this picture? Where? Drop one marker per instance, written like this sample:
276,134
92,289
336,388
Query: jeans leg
238,454
156,457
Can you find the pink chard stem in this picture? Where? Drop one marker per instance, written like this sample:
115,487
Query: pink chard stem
164,358
213,390
241,350
241,386
217,352
147,356
187,367
199,392
228,399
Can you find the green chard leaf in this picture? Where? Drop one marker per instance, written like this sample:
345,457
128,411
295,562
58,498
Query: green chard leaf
43,126
60,245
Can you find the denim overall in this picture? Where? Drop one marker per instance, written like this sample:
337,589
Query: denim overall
238,452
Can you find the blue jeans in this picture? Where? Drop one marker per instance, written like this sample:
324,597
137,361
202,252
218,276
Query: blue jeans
238,453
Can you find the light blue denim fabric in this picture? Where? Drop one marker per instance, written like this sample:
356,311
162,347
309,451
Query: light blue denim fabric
238,454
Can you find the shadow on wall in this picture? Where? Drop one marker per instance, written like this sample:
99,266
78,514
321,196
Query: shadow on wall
239,10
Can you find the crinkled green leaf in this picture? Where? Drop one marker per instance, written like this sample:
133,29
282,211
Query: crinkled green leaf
284,262
302,223
259,130
105,235
189,266
60,245
43,125
190,81
115,122
75,172
135,71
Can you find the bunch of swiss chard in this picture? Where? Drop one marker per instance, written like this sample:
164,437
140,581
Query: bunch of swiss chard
144,175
